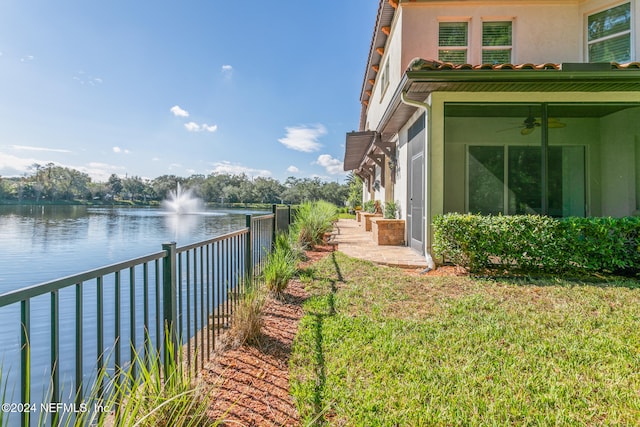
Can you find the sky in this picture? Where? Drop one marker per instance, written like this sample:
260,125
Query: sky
141,88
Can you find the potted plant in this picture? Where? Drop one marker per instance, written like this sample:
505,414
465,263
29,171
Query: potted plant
388,230
371,209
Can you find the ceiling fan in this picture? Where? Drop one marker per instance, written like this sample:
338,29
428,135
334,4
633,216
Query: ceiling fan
530,124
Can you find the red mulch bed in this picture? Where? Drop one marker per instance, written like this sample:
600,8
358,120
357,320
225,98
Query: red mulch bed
251,384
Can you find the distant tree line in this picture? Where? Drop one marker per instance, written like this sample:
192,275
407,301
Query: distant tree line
52,183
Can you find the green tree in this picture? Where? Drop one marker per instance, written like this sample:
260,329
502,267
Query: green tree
115,185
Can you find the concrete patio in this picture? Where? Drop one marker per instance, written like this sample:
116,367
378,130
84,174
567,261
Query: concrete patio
351,239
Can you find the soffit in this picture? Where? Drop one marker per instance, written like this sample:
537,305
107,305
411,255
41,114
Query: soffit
424,77
379,40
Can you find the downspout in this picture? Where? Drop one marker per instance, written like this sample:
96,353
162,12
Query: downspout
427,109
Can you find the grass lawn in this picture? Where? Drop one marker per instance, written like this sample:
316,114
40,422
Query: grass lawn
378,346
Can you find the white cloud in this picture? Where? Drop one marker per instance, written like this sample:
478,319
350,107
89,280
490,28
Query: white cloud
179,112
208,128
331,165
293,169
194,127
99,172
29,148
15,166
120,150
83,78
303,138
227,71
237,169
27,58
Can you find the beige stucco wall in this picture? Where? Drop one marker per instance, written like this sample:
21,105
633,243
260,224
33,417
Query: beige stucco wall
542,32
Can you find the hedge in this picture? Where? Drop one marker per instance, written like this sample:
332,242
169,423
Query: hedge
539,243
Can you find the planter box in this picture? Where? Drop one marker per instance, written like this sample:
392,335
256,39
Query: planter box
359,215
389,232
366,216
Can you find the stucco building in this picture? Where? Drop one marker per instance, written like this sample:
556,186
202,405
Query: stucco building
501,107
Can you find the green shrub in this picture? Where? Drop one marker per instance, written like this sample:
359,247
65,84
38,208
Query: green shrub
312,220
539,243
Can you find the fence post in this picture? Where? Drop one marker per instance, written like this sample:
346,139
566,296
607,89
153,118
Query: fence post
248,255
169,309
25,358
274,209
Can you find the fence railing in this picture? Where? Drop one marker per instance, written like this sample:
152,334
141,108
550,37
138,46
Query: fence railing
130,309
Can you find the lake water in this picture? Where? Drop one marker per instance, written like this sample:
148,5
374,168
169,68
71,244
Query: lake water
42,243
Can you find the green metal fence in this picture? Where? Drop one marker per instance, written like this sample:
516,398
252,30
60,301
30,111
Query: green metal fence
183,294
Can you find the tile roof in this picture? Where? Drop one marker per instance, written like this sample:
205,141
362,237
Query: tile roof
420,64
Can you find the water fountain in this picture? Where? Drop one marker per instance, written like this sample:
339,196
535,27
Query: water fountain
182,201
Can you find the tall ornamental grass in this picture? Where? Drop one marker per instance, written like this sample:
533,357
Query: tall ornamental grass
147,395
280,266
141,394
312,220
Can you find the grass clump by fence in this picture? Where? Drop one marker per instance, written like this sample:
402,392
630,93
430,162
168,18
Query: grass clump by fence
280,266
534,243
377,346
146,393
247,319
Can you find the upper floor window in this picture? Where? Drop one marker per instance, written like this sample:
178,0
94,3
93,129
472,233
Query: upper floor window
453,42
497,42
609,34
384,79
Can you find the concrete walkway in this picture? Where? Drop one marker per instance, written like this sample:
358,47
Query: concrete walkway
354,241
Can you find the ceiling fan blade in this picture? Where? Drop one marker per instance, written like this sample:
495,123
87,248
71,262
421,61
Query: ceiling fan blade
527,131
556,124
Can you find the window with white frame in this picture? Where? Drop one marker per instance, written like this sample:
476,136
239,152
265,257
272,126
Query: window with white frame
497,42
609,34
453,42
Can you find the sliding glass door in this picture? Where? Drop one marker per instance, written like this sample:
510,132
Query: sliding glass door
506,179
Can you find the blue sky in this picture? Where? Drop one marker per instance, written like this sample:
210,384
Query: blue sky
181,87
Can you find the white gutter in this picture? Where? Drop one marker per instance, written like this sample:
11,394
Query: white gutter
427,109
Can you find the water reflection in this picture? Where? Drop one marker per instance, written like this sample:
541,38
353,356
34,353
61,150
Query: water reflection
50,242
